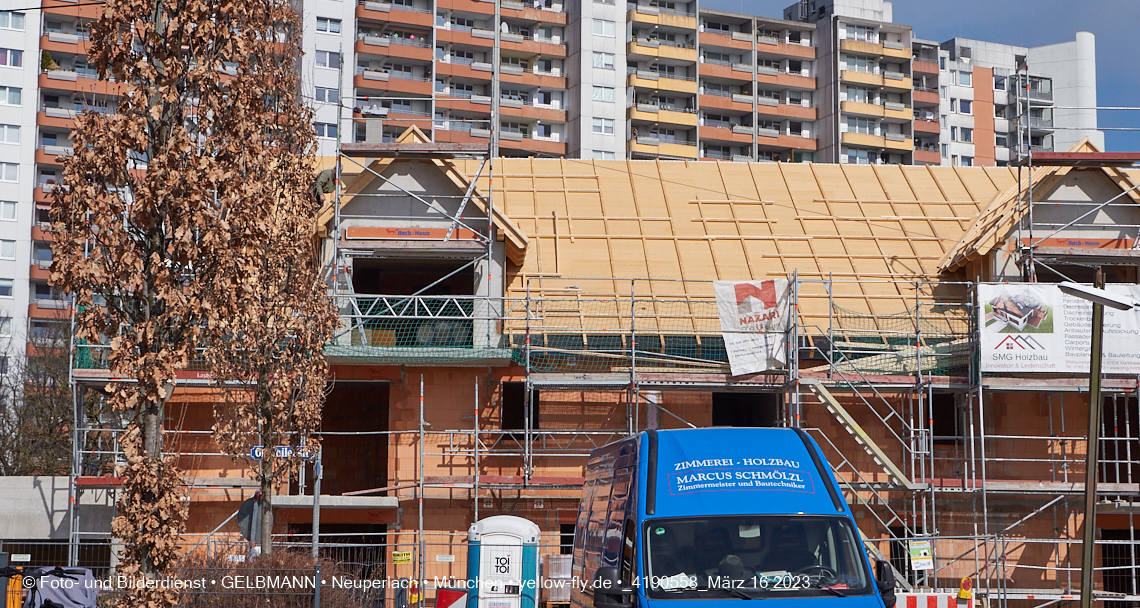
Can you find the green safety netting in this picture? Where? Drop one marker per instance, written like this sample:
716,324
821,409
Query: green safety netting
614,334
890,344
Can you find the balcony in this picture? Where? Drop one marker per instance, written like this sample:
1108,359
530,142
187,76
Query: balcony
48,309
394,13
725,70
898,141
1037,123
47,154
466,36
533,46
784,79
651,49
897,112
670,147
774,46
928,157
532,111
722,132
541,14
710,100
927,126
785,110
865,140
58,42
897,81
399,48
653,15
924,67
79,82
725,40
861,47
507,141
517,75
861,109
70,8
925,97
467,6
391,82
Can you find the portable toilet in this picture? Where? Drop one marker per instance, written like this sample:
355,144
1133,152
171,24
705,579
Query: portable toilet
502,563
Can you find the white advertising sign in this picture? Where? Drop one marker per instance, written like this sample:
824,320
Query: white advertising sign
754,320
1034,327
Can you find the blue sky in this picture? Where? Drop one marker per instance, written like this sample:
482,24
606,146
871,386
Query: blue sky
1028,23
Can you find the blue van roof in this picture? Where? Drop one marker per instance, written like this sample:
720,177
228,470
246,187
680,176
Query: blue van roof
738,471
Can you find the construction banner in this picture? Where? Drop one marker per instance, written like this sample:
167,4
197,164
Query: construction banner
754,320
1034,327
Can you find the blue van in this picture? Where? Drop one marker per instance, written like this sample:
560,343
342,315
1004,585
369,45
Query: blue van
719,514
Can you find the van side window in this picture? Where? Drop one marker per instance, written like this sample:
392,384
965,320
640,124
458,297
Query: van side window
628,552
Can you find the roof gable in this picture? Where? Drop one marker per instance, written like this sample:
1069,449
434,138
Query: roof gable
994,225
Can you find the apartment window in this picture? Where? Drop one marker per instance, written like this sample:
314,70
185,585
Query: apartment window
965,106
11,58
8,172
859,32
860,95
967,135
604,28
953,104
856,124
8,211
942,121
942,63
945,149
462,24
604,61
325,24
6,292
515,403
720,28
44,292
953,133
1001,141
999,83
7,250
328,95
860,64
326,129
11,21
6,323
954,160
856,156
517,62
605,94
10,96
515,127
603,155
965,79
967,161
10,134
942,91
328,59
604,126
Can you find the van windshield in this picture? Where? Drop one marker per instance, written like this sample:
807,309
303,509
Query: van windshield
742,556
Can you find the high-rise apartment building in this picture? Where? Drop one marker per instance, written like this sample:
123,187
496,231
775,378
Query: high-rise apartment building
27,171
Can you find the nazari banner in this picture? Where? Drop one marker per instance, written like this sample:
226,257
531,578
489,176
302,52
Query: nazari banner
754,320
1034,327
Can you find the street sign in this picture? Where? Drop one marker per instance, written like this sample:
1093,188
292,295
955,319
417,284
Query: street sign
256,452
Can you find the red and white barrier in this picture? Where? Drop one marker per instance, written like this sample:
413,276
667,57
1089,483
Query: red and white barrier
931,600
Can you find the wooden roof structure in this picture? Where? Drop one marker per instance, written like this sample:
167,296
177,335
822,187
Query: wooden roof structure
878,231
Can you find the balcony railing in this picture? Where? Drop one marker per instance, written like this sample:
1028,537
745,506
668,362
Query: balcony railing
718,93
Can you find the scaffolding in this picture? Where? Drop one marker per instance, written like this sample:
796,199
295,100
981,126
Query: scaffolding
875,376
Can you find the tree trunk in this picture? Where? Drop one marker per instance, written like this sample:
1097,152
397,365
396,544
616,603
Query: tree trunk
266,500
269,441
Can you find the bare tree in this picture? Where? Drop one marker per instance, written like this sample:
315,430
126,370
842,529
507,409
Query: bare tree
36,411
142,222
